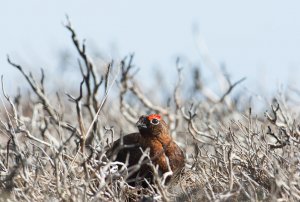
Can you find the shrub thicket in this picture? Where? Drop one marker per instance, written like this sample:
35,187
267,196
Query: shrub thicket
54,149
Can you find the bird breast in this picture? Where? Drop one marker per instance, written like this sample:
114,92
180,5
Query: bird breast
163,148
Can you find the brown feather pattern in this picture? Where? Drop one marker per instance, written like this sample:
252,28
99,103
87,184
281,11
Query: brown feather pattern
153,134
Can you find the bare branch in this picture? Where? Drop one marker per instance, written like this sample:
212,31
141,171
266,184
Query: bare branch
39,92
231,87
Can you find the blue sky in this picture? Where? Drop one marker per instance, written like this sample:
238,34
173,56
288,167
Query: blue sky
256,39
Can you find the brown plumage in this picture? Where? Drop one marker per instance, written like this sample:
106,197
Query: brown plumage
153,134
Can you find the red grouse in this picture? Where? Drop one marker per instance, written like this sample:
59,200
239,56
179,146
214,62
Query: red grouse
153,134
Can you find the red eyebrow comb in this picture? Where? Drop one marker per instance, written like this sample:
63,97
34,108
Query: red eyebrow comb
154,116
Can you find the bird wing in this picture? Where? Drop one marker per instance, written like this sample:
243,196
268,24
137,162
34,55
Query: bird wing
127,145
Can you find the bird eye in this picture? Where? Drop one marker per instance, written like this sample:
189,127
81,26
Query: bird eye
154,121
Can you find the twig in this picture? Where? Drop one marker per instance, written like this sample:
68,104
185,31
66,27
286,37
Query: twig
231,87
37,90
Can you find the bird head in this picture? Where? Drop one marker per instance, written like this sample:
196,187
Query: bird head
152,125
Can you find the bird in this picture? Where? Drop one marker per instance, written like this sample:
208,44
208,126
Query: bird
164,153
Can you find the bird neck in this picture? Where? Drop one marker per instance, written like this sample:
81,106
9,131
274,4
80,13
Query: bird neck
163,139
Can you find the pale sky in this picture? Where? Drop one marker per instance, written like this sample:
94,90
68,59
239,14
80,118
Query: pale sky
256,39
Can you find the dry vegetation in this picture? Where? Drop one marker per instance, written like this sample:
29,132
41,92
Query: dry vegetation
54,149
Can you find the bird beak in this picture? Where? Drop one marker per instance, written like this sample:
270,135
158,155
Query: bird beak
141,123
